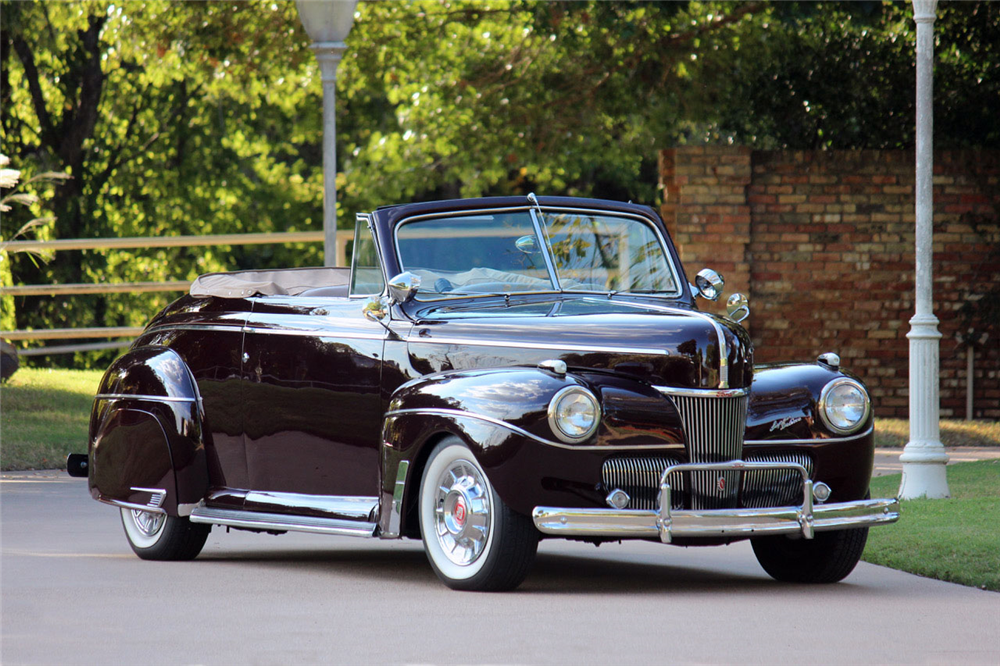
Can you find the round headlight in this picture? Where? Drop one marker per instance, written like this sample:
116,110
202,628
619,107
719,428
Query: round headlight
844,405
574,414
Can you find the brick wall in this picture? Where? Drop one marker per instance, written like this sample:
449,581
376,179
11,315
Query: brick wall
823,244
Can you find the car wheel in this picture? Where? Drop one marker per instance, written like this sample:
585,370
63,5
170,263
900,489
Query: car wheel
473,540
155,536
827,558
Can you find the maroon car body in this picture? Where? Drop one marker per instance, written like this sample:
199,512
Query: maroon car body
318,399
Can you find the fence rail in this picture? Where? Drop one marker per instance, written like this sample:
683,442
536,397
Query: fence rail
164,241
74,333
106,288
344,236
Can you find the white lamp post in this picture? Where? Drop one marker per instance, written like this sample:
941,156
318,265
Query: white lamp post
327,22
924,457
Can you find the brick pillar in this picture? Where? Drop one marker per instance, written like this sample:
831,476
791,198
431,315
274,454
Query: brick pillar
706,211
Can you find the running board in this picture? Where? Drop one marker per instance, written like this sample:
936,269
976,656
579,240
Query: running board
281,522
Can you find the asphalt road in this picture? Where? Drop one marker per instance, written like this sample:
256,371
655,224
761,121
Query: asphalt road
72,592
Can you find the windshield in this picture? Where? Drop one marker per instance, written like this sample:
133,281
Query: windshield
502,253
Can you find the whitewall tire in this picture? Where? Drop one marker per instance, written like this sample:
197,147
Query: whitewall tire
473,540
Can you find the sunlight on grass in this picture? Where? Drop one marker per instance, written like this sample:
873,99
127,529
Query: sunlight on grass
44,416
894,433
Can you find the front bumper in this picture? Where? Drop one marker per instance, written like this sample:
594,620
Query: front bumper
666,524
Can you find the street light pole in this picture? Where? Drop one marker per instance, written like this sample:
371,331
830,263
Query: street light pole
924,457
327,22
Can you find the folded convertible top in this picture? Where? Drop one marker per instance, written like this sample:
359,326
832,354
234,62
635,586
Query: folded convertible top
288,281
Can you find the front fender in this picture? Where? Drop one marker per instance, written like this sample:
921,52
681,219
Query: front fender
495,412
146,434
782,417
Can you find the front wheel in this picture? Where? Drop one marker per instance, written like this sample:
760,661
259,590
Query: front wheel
473,540
155,536
827,558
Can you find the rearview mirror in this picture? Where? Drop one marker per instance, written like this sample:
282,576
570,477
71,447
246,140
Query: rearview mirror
527,244
404,287
738,307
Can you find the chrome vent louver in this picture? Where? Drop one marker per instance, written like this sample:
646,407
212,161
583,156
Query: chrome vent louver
640,478
774,487
714,428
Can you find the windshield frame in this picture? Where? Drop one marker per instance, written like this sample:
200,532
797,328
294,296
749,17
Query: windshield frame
546,248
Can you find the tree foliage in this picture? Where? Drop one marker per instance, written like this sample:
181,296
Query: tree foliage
198,118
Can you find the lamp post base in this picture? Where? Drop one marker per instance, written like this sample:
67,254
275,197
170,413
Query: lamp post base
924,472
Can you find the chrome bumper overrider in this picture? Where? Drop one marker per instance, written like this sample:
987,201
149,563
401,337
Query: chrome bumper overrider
666,524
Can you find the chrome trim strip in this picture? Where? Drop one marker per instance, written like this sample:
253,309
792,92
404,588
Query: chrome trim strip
620,524
280,522
343,506
525,433
235,328
130,505
141,396
396,510
538,345
314,334
811,441
702,393
157,496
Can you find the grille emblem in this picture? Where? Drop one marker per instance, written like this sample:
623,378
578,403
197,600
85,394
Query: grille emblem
721,484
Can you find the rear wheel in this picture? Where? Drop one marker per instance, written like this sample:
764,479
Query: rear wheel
155,536
827,558
473,540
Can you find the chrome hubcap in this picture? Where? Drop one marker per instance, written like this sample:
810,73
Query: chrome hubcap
147,523
462,512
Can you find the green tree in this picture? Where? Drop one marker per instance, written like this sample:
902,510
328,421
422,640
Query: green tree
196,118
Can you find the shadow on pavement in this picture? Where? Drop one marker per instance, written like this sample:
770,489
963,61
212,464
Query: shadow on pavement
552,573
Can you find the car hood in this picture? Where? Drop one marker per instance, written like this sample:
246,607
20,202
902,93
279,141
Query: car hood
659,343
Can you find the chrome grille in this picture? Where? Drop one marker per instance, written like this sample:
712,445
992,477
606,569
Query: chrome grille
774,487
713,428
640,478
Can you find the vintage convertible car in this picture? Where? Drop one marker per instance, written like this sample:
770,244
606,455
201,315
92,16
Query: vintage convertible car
488,372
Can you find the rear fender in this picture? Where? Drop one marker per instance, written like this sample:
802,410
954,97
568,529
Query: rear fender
146,445
495,412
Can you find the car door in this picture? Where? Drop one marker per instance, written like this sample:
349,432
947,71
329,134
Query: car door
312,404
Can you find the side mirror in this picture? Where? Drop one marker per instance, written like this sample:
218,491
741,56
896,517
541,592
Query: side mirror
376,310
527,244
403,287
738,307
709,284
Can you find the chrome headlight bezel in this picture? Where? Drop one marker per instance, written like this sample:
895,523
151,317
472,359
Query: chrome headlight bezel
554,425
824,404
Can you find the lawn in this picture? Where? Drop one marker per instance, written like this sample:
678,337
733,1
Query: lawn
44,416
894,433
956,539
44,413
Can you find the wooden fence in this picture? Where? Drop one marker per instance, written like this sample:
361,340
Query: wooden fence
343,237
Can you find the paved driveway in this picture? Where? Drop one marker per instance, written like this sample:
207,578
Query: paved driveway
74,593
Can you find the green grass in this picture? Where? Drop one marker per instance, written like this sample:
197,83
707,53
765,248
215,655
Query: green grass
956,539
44,416
894,433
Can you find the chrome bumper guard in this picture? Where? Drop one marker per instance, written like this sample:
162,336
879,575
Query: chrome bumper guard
804,520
